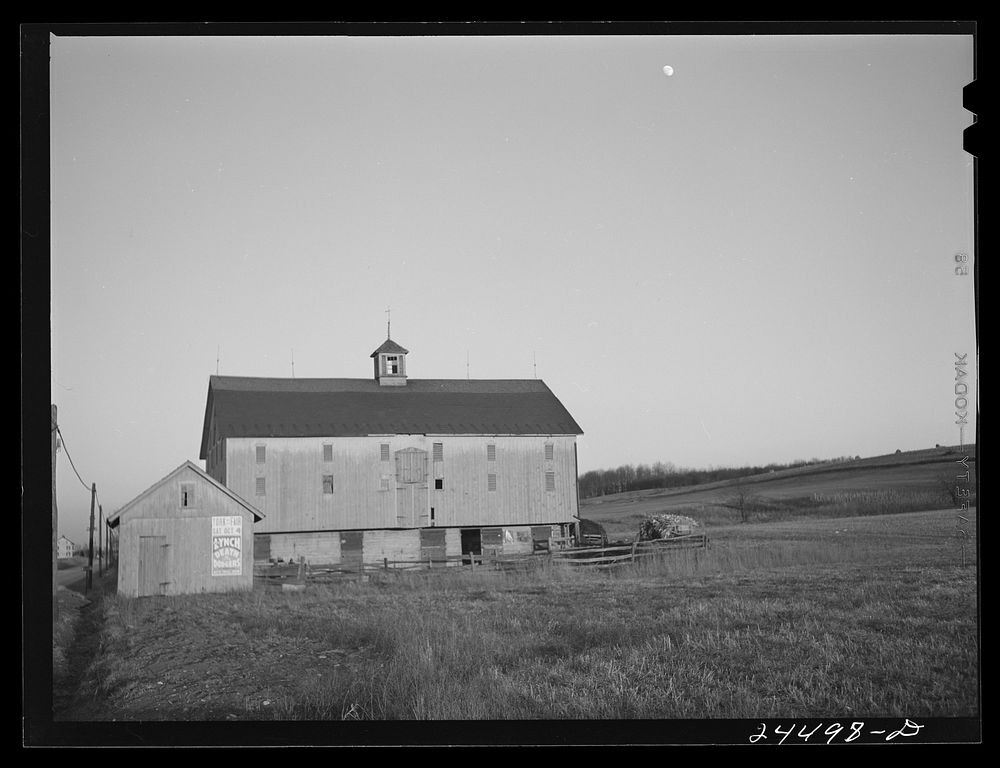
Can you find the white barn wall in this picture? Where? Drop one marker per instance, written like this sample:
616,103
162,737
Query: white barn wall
392,546
318,547
294,468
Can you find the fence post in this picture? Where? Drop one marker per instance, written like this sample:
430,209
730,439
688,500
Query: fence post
385,563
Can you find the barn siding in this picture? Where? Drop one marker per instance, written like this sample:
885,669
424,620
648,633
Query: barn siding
188,535
453,542
317,547
294,470
391,545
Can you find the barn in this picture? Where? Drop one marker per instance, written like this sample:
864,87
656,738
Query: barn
187,533
351,471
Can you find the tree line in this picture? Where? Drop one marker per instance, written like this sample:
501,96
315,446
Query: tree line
641,477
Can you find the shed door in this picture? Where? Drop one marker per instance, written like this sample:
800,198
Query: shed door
152,565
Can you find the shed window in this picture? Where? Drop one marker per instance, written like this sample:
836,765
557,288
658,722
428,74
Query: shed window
491,482
327,483
438,484
260,486
491,452
438,451
187,494
550,481
261,453
384,451
384,483
327,452
549,451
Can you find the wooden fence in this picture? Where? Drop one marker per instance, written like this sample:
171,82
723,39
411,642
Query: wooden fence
619,554
599,557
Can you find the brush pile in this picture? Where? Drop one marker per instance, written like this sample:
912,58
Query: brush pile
666,527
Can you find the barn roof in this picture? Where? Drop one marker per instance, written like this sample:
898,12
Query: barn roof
115,517
262,407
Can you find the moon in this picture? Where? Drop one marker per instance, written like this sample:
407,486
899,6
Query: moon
668,71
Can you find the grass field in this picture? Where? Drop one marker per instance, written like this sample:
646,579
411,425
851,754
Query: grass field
907,482
864,616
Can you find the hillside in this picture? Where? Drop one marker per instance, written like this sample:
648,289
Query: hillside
897,482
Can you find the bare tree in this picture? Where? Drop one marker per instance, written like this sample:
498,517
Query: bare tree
949,490
743,500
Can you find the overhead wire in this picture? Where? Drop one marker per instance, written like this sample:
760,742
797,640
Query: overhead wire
66,448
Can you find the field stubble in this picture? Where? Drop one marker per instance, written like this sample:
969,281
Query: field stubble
855,616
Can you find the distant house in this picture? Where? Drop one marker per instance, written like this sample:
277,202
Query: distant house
351,471
64,548
186,533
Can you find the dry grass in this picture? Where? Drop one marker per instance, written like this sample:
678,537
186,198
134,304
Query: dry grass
866,616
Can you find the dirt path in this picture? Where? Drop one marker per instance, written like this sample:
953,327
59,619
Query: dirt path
75,645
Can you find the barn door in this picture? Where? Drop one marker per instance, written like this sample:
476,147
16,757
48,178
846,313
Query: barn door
412,508
352,550
152,565
432,545
262,547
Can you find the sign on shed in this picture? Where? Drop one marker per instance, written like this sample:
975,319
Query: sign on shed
227,546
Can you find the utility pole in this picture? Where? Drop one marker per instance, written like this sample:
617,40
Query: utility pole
100,544
90,553
55,521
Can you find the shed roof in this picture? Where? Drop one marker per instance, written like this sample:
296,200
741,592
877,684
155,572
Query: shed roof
115,517
265,407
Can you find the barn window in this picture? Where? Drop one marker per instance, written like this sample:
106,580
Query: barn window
327,452
327,483
438,484
187,494
261,453
491,452
260,486
491,482
549,451
384,448
392,364
550,481
438,451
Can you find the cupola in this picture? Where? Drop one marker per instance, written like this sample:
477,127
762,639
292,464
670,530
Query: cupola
390,364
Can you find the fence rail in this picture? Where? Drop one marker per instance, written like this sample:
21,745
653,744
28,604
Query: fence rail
600,557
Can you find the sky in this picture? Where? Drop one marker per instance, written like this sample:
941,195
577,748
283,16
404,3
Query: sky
748,261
